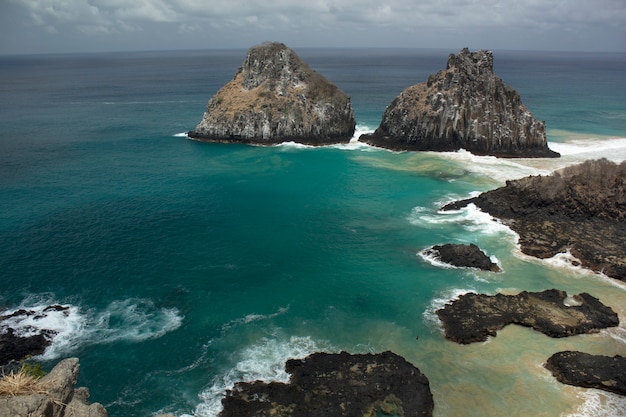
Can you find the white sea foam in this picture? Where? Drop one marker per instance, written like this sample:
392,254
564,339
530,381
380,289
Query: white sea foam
180,135
253,317
264,361
438,302
132,320
613,148
470,217
600,404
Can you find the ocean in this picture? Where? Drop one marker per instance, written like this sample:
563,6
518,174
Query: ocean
189,266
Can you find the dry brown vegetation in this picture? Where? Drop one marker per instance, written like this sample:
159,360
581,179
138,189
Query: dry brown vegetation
20,383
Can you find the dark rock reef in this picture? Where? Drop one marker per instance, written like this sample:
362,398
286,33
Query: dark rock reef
467,256
17,345
580,209
464,106
589,371
276,97
55,396
474,317
342,384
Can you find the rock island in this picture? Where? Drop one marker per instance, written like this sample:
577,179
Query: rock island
276,97
465,106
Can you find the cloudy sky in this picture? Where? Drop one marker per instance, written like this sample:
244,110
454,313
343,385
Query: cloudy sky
40,26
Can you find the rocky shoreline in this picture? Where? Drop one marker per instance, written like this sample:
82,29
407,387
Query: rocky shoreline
579,210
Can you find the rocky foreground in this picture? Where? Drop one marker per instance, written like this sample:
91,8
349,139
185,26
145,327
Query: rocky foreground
465,106
55,396
276,97
474,317
580,210
325,384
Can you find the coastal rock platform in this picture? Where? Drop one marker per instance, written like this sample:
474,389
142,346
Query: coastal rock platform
579,210
474,317
276,97
468,256
465,106
589,371
325,384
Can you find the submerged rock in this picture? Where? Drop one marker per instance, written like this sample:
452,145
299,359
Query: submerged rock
468,256
474,317
342,384
589,371
465,106
579,210
276,97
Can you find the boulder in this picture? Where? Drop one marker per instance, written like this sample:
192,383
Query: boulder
276,97
325,384
474,317
465,106
468,256
579,210
589,371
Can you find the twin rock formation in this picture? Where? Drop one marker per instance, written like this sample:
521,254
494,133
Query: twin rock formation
276,97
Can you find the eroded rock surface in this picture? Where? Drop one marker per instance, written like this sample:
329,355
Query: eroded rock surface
342,384
464,106
468,256
589,371
580,210
276,97
474,317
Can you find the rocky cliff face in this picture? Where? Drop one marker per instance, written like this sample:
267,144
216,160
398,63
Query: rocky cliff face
464,106
275,97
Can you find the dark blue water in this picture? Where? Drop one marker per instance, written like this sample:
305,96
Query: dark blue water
189,266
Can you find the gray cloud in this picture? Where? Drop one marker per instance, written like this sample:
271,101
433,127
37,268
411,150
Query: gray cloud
149,24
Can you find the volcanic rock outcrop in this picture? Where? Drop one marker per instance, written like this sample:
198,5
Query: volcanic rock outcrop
342,384
589,371
580,209
474,317
276,97
468,256
465,106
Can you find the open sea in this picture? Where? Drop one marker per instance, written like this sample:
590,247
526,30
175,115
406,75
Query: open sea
189,266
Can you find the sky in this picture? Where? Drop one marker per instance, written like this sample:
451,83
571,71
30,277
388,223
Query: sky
67,26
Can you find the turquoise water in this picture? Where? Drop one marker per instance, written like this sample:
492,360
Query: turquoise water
190,266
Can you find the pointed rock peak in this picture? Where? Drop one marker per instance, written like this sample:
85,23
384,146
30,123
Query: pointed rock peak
269,61
476,63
